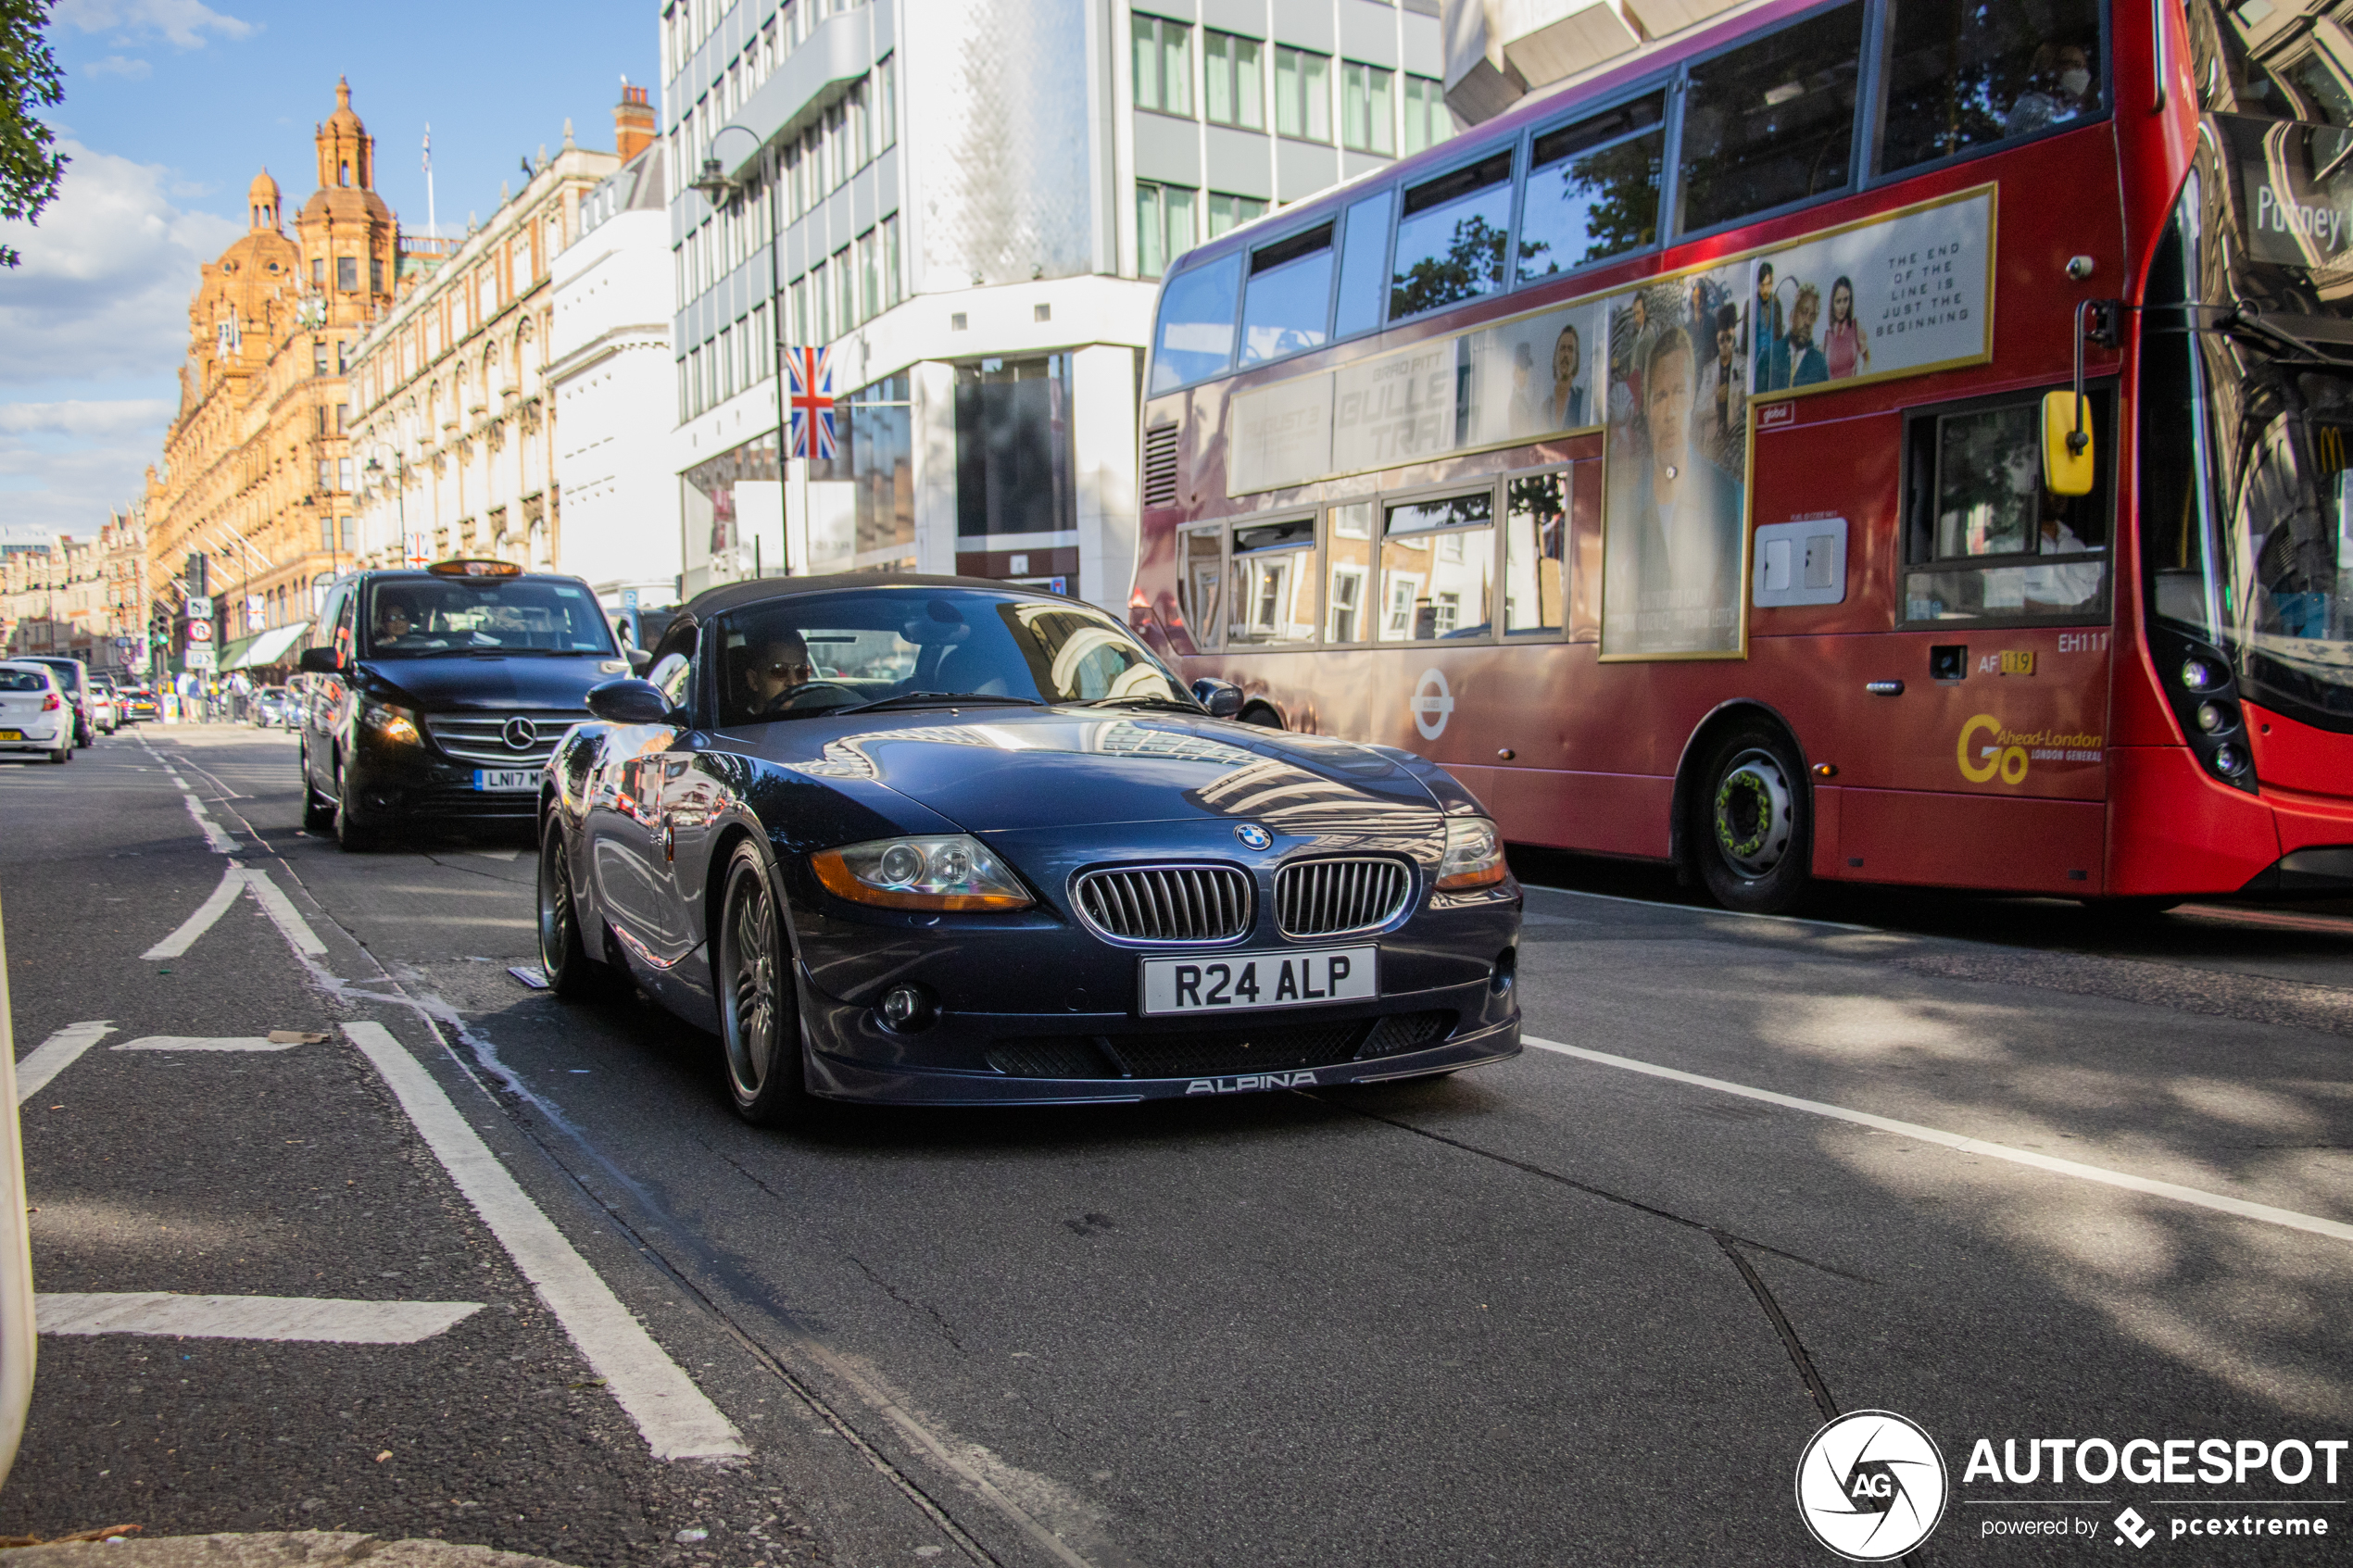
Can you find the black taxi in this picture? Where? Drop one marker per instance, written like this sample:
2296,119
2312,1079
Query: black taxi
434,697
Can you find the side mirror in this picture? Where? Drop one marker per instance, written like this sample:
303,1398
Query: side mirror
320,661
640,660
2066,444
1223,699
630,701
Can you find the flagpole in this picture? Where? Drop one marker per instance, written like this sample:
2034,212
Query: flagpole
432,230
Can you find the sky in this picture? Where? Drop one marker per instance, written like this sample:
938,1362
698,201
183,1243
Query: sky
172,107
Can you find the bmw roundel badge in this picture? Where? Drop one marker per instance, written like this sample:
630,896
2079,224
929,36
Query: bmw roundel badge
1254,836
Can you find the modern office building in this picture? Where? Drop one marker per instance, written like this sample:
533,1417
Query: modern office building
967,205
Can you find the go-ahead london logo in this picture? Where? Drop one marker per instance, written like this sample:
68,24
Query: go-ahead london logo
1871,1486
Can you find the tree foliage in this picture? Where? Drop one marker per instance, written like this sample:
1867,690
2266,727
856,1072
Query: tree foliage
30,81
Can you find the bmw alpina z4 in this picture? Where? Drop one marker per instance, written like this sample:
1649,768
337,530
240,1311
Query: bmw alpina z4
911,840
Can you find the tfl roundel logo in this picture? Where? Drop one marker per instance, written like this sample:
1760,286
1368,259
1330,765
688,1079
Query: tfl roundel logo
1871,1486
1254,836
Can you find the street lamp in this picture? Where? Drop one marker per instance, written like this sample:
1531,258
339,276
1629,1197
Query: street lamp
712,184
375,473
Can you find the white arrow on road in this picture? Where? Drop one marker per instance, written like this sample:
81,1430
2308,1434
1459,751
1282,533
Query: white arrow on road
266,893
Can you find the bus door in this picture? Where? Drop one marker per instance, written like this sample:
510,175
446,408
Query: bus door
1994,693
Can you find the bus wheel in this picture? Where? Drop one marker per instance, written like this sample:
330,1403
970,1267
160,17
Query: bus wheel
1756,830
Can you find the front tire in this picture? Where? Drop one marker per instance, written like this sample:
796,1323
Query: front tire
759,1014
572,974
349,835
1753,830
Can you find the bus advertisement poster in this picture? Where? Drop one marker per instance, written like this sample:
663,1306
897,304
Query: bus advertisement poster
1687,354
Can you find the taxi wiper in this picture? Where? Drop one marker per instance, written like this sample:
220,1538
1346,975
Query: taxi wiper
1172,704
932,699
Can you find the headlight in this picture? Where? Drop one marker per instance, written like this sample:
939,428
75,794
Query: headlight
951,872
395,725
1474,855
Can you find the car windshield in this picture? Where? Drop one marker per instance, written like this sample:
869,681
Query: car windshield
421,616
826,652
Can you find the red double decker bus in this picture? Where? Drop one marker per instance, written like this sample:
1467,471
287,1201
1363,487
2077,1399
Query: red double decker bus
1690,459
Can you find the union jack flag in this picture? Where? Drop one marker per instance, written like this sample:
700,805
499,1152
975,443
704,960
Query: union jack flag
811,400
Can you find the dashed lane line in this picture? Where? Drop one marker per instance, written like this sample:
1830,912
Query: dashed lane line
321,1320
205,1043
2290,1219
55,1054
677,1419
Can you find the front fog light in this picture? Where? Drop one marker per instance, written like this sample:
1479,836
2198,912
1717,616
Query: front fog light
2228,759
906,1008
1474,855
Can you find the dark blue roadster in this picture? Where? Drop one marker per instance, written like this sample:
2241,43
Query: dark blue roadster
924,840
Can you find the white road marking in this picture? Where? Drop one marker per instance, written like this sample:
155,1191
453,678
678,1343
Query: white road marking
205,1043
220,841
281,909
197,924
248,1317
2289,1218
677,1419
55,1054
1705,910
496,854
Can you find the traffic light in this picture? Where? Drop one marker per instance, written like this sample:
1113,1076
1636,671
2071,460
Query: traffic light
194,575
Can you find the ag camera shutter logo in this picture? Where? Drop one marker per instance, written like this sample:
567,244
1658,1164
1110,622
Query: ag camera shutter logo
1871,1486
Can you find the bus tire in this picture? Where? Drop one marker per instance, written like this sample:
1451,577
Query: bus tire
1753,829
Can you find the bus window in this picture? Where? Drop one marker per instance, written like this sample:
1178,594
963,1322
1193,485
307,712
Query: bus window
1197,594
1450,240
1593,189
1963,73
1363,260
1274,583
1987,540
1289,297
1348,599
1437,568
1535,525
1196,336
1771,121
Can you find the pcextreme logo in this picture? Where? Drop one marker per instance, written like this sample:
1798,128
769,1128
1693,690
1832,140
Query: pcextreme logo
1989,750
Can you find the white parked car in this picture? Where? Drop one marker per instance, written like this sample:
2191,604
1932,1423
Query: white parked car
35,715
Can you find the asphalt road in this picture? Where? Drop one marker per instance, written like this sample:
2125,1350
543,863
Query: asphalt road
1982,1162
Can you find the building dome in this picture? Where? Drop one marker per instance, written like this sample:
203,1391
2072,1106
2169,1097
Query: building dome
343,119
261,202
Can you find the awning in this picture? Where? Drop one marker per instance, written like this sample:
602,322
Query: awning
263,648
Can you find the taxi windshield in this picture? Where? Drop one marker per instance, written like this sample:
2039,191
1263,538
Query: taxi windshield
425,617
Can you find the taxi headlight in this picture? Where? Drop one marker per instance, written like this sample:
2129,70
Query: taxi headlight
941,871
1474,855
395,725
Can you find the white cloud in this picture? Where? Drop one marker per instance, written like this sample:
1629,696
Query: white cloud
102,297
183,22
107,275
139,417
118,65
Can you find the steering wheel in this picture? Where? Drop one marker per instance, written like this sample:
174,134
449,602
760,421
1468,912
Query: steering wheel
785,702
